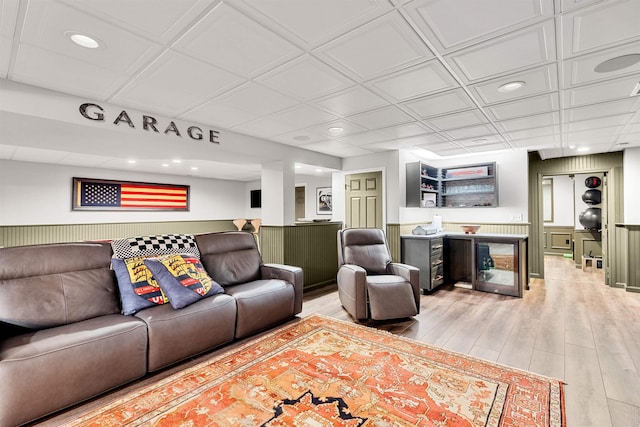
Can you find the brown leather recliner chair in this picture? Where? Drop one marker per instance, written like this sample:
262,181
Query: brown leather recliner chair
369,284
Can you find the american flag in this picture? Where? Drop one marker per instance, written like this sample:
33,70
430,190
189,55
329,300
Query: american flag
105,194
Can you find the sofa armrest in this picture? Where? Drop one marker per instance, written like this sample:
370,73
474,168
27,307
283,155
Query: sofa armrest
290,274
352,290
409,273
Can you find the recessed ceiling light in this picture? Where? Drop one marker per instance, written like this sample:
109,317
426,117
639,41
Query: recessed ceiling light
301,138
194,168
583,149
479,140
318,170
572,147
165,165
336,129
617,63
511,86
83,40
132,162
298,166
176,161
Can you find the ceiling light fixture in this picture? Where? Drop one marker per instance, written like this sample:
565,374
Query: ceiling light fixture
583,149
572,147
176,161
617,63
194,168
318,170
83,40
131,162
479,141
165,165
336,129
511,86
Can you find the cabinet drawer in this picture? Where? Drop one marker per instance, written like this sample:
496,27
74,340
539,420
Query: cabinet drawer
436,244
436,254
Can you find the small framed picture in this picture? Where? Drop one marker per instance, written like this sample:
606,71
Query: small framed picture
323,201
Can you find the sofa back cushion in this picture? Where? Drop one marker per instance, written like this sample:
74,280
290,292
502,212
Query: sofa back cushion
43,286
230,257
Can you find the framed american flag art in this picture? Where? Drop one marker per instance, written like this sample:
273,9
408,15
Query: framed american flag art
104,194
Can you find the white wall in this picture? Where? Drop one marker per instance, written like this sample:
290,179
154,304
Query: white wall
513,170
39,193
631,164
563,201
311,183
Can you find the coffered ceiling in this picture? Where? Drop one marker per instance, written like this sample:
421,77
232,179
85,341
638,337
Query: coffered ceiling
391,74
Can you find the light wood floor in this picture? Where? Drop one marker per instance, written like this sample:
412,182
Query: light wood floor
569,326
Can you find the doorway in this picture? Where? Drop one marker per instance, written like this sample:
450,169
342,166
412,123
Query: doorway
300,197
363,199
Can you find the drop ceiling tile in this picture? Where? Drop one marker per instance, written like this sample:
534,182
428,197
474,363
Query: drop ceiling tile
602,122
600,25
306,78
46,24
452,24
230,40
8,17
480,142
525,107
540,120
214,114
83,159
531,47
537,81
384,146
567,5
442,103
406,130
380,118
40,67
351,101
262,128
458,120
431,138
299,137
534,133
336,148
434,147
157,89
347,129
484,131
415,81
598,92
303,116
580,70
311,22
549,141
453,151
363,138
593,136
256,99
481,148
604,109
382,46
168,21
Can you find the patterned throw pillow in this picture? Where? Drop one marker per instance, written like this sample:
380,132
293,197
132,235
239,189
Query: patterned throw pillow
183,278
138,288
155,245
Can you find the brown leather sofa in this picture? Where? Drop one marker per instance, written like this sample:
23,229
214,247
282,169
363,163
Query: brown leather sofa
63,339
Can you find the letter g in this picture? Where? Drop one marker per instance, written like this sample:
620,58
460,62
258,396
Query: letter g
98,116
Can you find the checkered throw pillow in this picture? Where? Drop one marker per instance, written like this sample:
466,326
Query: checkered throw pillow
147,246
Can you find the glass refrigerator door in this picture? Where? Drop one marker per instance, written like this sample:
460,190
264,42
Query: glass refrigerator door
497,268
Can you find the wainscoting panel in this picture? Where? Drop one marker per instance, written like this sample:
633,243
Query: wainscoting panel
558,240
40,234
313,247
633,245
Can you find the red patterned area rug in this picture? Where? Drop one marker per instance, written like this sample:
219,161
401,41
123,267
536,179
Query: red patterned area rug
321,372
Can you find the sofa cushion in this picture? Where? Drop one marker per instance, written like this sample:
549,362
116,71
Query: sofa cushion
175,335
44,371
44,286
182,278
231,257
154,245
138,288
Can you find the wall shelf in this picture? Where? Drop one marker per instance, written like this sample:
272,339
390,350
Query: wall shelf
456,186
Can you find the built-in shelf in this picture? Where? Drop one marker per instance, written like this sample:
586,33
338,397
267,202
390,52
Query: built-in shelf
457,186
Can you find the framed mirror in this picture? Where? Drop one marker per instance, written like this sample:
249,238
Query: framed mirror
547,199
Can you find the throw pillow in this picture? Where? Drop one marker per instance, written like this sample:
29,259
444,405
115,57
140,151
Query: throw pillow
155,245
183,278
138,288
